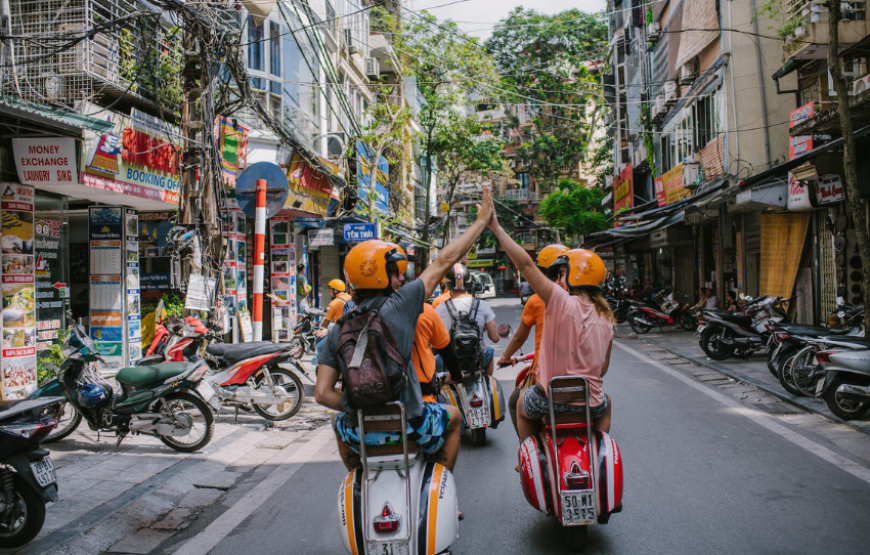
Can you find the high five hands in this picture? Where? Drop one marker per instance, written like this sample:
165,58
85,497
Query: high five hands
486,210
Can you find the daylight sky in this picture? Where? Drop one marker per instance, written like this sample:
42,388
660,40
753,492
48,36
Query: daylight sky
477,17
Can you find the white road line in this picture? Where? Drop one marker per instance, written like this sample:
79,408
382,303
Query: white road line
759,418
289,460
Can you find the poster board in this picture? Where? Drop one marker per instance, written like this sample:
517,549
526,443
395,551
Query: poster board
107,299
245,326
131,284
282,269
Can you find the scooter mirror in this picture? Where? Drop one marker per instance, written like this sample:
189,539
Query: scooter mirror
505,330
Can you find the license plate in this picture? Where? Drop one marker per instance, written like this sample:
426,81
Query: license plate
207,391
44,472
700,329
478,418
388,548
578,507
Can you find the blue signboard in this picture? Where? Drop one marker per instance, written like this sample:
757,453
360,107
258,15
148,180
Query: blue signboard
365,170
360,232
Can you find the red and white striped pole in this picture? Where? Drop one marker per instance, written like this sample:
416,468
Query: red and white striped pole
259,258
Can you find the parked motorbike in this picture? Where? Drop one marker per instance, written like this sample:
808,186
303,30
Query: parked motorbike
620,308
802,374
27,477
568,470
168,401
244,376
642,317
722,334
398,502
846,386
306,324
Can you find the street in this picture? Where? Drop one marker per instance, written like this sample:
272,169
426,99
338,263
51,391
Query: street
704,473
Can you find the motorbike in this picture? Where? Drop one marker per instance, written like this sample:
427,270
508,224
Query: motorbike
305,327
642,317
27,476
168,401
802,373
722,334
568,470
620,308
243,376
846,386
398,502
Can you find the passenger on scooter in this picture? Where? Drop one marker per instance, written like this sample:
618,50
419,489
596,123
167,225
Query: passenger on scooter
338,292
533,316
375,269
431,334
579,331
445,294
458,279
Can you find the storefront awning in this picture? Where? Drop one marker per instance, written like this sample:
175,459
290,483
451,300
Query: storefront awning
704,192
646,229
51,116
779,172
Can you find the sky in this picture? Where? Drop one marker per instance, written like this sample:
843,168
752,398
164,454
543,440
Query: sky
477,17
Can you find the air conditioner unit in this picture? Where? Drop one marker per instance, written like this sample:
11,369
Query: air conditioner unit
373,67
861,85
670,92
690,174
688,72
653,31
660,109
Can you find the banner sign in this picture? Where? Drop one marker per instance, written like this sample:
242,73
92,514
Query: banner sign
232,143
310,191
282,259
804,143
136,158
354,233
798,195
49,161
134,328
17,282
365,168
321,238
669,187
106,232
51,287
623,190
830,189
482,263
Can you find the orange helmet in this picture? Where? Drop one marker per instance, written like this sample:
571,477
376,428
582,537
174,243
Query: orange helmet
549,254
338,285
585,268
365,266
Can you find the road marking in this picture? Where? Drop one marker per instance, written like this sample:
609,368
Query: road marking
287,462
759,418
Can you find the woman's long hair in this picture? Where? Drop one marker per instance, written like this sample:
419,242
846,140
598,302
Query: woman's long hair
602,307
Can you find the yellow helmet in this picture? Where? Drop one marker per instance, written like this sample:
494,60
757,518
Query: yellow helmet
585,268
549,254
365,266
338,285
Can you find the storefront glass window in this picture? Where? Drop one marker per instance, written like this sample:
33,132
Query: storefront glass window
51,266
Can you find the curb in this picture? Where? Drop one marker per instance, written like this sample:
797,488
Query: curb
747,380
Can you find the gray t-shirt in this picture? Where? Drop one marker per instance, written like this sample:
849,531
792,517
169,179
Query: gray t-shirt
401,311
463,304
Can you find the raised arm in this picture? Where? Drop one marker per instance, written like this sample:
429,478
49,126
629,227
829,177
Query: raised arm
455,250
524,263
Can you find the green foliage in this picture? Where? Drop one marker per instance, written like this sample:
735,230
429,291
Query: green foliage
602,160
48,362
382,21
170,88
173,304
544,61
127,58
574,209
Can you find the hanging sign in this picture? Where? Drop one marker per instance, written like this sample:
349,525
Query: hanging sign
669,187
804,143
17,280
371,179
232,143
623,190
282,259
830,189
321,238
49,161
310,190
354,233
798,195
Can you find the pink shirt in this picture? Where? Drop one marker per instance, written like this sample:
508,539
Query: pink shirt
575,342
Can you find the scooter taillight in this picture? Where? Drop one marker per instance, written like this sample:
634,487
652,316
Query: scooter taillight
476,402
824,356
781,336
30,430
577,478
388,521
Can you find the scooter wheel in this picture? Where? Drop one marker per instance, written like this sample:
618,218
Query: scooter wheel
478,436
846,409
712,348
576,538
68,419
637,324
290,382
25,519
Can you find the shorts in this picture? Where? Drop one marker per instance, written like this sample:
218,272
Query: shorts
536,404
429,435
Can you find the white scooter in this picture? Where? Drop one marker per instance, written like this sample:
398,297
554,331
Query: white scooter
480,400
398,503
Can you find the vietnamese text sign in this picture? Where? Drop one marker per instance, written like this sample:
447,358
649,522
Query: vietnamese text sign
320,238
360,232
48,161
804,143
672,189
830,189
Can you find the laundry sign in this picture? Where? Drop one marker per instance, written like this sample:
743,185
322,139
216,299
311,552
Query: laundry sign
47,161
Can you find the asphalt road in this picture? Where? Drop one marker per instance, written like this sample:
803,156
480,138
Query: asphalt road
700,478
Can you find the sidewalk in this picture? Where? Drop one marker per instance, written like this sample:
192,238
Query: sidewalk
753,371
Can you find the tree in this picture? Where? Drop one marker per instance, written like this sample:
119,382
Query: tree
574,209
850,161
544,62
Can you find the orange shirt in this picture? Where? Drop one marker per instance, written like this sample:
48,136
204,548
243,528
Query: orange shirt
430,334
533,315
440,299
336,307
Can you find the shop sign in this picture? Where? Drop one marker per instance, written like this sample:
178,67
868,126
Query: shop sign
50,293
134,302
804,143
18,287
137,158
233,145
310,190
798,195
105,230
669,187
321,238
830,189
480,263
49,161
282,259
365,169
623,190
354,233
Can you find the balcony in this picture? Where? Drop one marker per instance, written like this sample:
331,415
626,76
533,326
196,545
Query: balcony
809,41
142,61
522,195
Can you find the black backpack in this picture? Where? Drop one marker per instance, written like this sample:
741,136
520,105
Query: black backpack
369,358
466,336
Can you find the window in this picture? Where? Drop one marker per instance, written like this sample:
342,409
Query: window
678,140
523,178
709,126
275,56
256,54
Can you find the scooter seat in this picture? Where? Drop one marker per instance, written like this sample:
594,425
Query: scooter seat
144,375
860,342
739,319
235,353
810,331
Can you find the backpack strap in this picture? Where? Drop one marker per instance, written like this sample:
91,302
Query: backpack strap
370,306
360,349
475,306
449,304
